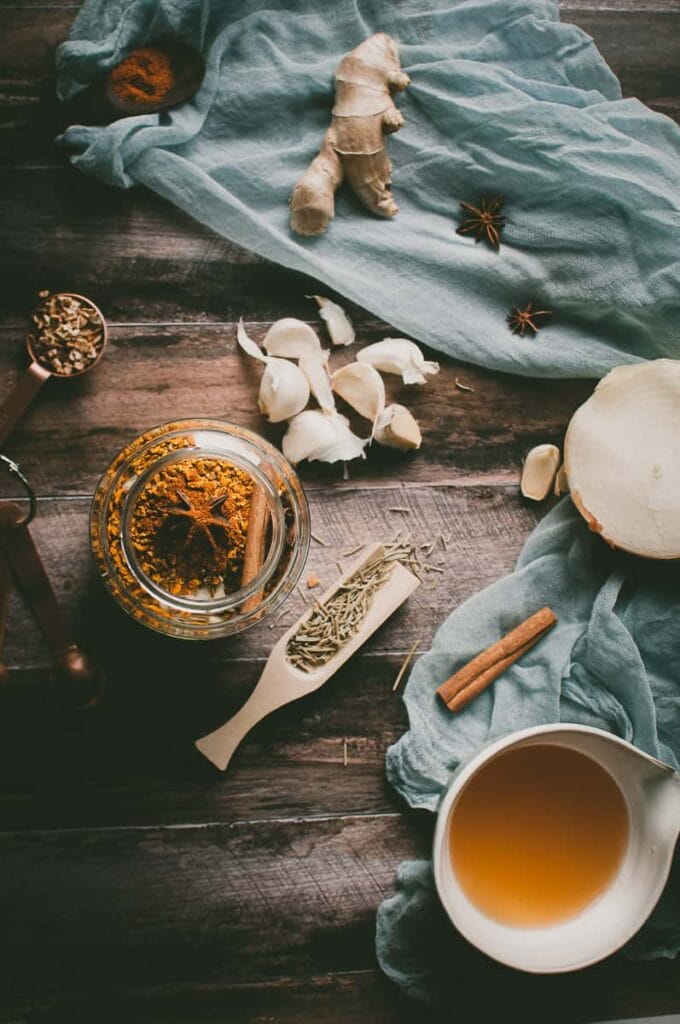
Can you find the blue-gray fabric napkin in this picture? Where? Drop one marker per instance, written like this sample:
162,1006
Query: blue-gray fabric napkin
504,99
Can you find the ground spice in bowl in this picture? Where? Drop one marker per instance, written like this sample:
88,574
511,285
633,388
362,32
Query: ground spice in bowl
189,526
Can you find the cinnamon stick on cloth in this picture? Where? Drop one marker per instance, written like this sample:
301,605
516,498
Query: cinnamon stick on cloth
474,677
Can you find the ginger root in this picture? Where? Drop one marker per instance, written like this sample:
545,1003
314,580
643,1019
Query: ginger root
354,145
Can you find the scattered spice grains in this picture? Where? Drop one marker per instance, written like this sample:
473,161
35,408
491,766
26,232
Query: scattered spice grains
331,625
313,581
190,523
68,335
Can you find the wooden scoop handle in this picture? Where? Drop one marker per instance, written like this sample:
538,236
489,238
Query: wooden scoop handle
20,397
219,746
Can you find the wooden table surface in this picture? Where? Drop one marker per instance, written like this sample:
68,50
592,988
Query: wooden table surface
138,882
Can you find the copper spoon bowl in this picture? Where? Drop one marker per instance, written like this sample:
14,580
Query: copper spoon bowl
30,383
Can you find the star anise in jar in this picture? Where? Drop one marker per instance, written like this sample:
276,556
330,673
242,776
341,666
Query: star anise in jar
483,221
201,512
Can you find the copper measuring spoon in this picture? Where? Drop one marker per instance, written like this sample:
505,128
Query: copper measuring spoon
28,385
80,682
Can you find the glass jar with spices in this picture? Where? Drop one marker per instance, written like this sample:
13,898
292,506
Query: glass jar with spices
199,528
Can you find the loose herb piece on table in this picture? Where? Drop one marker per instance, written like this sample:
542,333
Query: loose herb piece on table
68,334
519,320
484,221
333,624
199,543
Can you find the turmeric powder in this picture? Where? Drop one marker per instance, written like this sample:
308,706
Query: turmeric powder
144,78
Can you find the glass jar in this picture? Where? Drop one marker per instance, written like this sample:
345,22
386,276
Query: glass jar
169,525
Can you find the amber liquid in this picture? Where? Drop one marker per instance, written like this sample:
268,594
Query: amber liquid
537,835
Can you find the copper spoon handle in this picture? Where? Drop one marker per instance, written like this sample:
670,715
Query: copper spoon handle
20,397
22,555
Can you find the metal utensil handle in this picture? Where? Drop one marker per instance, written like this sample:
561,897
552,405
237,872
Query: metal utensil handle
22,554
20,397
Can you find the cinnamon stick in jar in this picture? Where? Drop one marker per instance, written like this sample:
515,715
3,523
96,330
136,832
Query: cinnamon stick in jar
253,555
473,678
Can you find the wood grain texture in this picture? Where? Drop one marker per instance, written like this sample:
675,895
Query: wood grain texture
487,526
240,911
75,428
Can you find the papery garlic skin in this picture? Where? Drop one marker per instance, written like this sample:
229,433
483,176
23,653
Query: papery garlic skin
400,356
293,339
316,373
362,387
284,390
622,458
250,347
317,437
397,428
338,323
539,471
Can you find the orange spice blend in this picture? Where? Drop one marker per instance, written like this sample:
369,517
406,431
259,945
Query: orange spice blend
189,526
145,76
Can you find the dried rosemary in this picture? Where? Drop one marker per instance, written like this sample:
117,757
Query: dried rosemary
331,625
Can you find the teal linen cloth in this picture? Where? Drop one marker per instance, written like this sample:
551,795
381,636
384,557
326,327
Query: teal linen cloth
504,99
613,661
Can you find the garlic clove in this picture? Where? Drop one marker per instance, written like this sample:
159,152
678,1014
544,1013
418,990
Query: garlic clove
539,471
284,390
316,373
249,346
293,339
315,436
362,387
397,428
400,356
338,323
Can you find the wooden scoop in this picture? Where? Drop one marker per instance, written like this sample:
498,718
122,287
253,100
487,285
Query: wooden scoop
281,682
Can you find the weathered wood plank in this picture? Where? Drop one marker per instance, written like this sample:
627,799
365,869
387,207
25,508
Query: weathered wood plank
233,911
639,40
487,526
75,428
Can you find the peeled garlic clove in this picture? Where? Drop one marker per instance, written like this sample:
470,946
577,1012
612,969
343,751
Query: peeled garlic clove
293,339
338,323
315,436
249,346
284,390
539,471
316,373
362,387
400,356
397,428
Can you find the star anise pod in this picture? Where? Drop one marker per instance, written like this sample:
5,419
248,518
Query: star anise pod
201,513
483,221
520,319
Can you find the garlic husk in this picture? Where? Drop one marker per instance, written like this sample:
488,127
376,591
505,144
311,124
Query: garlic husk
539,471
561,483
362,387
397,428
315,436
316,373
622,458
400,356
293,339
249,346
284,390
339,325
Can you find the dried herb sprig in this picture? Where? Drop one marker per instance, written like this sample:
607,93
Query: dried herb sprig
331,625
484,221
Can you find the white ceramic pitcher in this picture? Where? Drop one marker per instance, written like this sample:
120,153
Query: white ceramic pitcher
652,793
